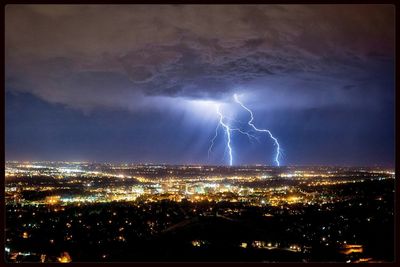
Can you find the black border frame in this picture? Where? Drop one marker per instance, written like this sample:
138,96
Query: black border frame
227,2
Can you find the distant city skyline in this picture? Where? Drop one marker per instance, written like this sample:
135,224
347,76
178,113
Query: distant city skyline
140,83
120,163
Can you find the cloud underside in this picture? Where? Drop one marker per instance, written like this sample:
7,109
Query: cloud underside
117,56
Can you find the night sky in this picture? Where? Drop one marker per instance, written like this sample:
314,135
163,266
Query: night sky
139,83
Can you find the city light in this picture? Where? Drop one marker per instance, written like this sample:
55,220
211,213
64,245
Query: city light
206,192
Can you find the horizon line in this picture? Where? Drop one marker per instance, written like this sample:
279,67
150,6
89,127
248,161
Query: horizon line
199,164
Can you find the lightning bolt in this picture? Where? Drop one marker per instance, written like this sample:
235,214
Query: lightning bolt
227,132
250,123
213,140
245,133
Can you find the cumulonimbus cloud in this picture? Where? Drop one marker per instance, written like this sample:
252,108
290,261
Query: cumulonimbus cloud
115,56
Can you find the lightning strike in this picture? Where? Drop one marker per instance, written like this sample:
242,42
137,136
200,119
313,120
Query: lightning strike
228,134
245,133
250,123
228,130
213,140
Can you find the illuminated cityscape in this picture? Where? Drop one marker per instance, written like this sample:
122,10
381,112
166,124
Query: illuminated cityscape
80,211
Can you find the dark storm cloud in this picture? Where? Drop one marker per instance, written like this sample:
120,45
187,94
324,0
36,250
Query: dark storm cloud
116,56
